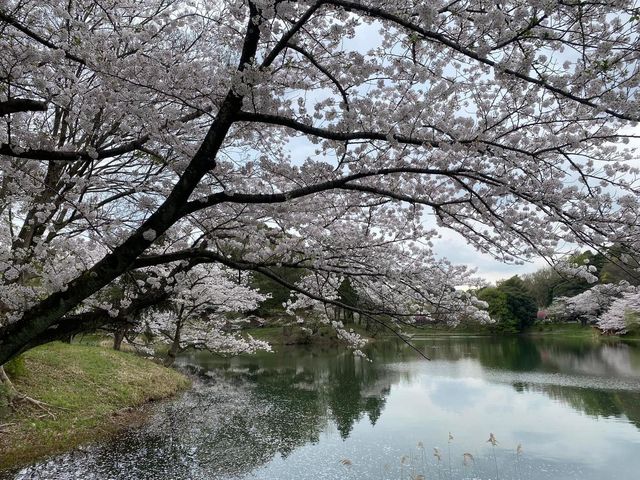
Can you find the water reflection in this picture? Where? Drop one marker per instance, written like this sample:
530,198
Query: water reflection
327,384
575,405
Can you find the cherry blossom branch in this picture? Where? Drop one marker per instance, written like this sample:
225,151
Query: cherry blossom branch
325,72
210,256
390,137
376,12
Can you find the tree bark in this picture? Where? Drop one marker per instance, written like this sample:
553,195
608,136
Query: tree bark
15,105
174,349
118,337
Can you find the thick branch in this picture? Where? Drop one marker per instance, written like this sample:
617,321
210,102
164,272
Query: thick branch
490,146
226,197
331,134
15,105
100,154
71,156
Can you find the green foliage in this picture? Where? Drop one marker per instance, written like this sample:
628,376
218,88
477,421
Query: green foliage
540,285
347,293
348,296
497,301
510,304
279,294
5,400
614,272
632,321
519,302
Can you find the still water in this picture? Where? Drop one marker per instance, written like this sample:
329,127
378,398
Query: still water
321,413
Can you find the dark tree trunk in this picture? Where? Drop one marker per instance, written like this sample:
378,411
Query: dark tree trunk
118,337
174,349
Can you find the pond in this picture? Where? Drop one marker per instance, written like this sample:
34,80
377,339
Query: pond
321,413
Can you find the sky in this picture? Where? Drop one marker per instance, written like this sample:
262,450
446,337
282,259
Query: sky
452,246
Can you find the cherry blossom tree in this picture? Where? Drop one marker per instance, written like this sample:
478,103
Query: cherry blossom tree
332,136
196,315
588,306
623,314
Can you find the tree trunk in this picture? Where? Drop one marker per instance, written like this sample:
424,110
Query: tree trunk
175,347
117,339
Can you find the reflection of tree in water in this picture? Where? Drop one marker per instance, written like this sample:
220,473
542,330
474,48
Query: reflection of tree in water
518,354
331,385
553,355
574,357
567,356
356,388
596,403
604,359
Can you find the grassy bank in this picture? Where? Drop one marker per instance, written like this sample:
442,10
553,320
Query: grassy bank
90,393
565,330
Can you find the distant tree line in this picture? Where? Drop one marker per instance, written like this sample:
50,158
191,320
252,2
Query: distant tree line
515,303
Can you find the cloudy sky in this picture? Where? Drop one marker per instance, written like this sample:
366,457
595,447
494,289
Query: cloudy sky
454,247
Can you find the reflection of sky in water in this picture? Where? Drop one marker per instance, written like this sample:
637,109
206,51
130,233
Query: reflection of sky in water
575,408
464,397
559,442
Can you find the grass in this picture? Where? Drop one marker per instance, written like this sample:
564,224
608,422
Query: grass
91,393
275,335
565,330
269,334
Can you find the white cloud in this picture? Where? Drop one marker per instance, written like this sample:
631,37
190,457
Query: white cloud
453,246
